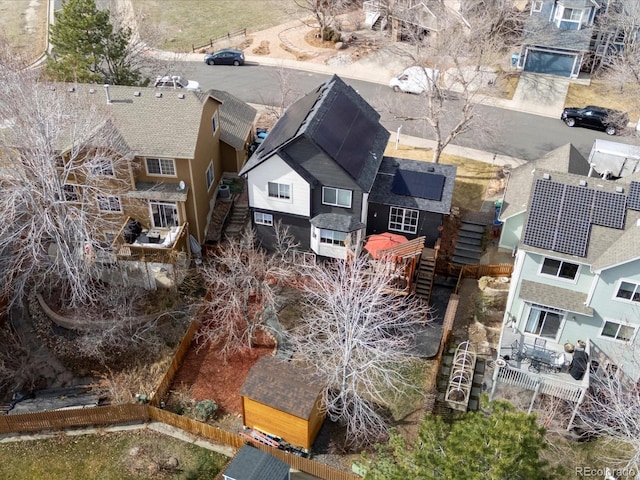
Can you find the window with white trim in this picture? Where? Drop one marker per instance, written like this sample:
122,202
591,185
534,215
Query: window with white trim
559,268
109,204
70,193
332,237
544,321
279,190
215,122
336,197
403,220
628,291
102,166
164,214
209,177
263,218
537,6
161,166
570,15
618,331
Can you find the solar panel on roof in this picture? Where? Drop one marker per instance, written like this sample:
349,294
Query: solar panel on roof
634,196
418,184
609,209
543,213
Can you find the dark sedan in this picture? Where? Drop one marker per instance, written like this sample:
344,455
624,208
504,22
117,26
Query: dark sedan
225,57
599,118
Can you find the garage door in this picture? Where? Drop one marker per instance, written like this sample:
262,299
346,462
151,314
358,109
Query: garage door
552,63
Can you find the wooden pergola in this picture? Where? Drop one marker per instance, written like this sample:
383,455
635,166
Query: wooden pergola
400,262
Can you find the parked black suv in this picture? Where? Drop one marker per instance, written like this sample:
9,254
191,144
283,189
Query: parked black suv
600,118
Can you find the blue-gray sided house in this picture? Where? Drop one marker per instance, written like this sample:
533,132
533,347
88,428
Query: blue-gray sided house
557,36
321,174
576,242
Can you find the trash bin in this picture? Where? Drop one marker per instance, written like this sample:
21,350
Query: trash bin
224,192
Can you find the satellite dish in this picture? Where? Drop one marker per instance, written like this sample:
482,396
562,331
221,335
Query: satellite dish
181,185
500,362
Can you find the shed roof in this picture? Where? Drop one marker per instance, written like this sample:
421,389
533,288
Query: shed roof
283,386
253,464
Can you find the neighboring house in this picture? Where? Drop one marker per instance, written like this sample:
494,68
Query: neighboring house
321,174
412,17
411,198
284,400
181,142
314,171
557,36
613,159
576,274
253,464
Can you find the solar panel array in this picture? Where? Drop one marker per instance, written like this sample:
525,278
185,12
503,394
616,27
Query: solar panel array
418,184
634,196
561,216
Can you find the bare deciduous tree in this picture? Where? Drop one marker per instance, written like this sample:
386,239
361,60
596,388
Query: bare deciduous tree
62,160
358,337
324,12
240,278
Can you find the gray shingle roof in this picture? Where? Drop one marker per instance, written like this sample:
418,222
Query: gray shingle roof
283,386
539,31
562,159
236,119
337,222
549,296
382,188
253,464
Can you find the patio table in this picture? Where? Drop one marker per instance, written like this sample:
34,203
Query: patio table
543,359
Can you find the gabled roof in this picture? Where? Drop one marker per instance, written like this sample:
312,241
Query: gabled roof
236,119
339,123
565,159
390,189
539,31
253,464
283,386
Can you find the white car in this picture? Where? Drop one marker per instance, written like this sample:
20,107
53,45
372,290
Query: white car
175,81
415,79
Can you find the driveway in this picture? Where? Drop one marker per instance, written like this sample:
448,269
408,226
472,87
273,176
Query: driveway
540,94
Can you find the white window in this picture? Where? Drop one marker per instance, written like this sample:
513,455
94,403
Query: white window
570,15
336,196
109,204
279,190
214,122
102,166
263,218
209,175
70,193
161,166
537,6
164,214
544,321
332,237
628,291
618,331
403,220
560,269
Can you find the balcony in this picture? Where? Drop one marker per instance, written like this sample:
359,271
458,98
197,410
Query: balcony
160,245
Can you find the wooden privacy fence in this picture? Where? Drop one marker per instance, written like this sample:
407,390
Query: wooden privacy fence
241,32
484,270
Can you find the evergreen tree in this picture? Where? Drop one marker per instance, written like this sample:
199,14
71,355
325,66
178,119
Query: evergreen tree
498,443
88,49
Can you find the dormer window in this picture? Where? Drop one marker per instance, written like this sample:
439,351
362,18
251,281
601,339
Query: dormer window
537,6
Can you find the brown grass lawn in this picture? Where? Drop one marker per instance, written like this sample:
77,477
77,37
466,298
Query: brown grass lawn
24,24
602,93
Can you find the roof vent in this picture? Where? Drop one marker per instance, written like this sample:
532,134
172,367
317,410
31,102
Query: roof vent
137,93
546,176
181,96
71,89
431,169
582,183
92,90
619,189
158,94
52,88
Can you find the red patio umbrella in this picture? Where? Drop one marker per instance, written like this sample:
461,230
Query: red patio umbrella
376,243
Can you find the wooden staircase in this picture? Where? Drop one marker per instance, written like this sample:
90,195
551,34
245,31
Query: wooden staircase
426,274
237,220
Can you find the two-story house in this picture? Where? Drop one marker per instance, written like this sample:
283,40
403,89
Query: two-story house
576,277
321,174
557,36
179,143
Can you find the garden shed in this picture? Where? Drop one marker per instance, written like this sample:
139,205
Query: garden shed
253,464
283,400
